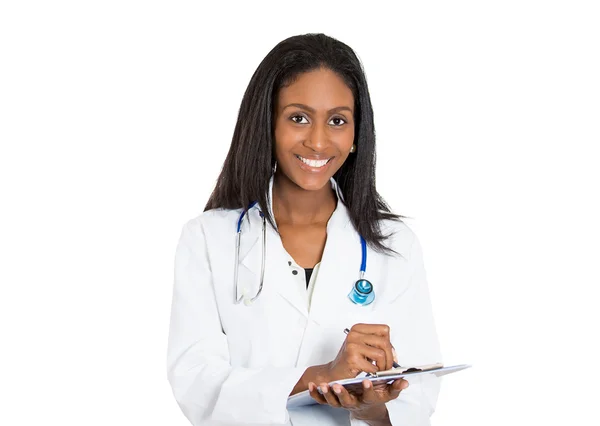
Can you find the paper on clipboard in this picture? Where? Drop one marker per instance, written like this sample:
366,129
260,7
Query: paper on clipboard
355,384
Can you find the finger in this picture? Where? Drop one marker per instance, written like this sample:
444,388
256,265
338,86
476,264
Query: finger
380,386
357,354
378,329
384,344
330,396
395,388
347,400
369,395
312,390
360,356
375,354
375,341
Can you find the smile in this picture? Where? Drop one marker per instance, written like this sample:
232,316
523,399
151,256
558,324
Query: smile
314,163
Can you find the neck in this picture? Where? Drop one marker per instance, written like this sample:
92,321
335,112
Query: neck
296,206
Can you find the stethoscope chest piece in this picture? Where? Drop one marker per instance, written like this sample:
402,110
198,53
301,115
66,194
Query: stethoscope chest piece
362,292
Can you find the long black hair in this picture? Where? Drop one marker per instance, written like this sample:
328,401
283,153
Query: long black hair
249,164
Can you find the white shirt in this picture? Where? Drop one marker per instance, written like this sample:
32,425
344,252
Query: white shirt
231,364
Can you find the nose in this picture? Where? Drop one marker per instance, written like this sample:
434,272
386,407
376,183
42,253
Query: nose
317,138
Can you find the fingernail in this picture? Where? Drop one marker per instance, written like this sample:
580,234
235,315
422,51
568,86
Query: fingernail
337,390
311,387
404,385
324,389
367,385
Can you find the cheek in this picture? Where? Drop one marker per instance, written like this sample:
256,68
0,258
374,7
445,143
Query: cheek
280,137
286,137
345,140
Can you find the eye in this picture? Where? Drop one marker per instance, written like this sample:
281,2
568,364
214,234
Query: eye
298,119
337,121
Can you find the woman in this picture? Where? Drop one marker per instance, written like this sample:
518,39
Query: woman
299,183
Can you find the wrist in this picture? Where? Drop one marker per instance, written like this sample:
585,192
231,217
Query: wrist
316,374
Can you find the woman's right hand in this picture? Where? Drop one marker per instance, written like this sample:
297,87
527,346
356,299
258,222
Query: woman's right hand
364,343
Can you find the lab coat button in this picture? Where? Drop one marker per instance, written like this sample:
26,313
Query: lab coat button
295,272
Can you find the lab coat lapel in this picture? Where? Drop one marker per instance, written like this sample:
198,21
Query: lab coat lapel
278,276
340,269
340,266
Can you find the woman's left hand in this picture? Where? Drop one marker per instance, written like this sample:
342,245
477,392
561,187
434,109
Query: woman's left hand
368,406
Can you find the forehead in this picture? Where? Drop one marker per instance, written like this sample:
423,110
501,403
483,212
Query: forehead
320,89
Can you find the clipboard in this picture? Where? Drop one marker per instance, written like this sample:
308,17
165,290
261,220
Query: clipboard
381,378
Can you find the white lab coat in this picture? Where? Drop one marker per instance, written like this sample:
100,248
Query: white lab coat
231,364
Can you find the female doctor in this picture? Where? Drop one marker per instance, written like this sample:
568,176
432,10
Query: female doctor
295,246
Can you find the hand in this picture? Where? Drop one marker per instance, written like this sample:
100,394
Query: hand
364,343
370,405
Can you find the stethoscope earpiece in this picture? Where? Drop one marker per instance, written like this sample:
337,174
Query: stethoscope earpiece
247,299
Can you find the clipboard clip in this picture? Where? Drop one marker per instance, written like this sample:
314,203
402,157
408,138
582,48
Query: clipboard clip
402,370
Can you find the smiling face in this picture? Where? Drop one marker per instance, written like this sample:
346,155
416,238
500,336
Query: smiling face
314,128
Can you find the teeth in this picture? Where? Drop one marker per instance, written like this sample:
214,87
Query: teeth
314,163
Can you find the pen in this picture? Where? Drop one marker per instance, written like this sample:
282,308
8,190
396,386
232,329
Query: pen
395,364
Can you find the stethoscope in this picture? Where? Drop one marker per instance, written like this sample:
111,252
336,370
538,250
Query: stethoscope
362,292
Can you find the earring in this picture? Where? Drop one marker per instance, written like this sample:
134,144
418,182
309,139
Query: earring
353,149
275,167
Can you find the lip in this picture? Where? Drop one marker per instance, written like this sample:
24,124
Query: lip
310,169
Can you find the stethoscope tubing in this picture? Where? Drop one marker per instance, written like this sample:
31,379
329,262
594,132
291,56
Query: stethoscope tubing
237,258
363,263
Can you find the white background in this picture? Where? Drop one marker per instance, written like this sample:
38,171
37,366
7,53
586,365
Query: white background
115,118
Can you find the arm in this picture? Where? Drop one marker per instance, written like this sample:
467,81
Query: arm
206,387
414,336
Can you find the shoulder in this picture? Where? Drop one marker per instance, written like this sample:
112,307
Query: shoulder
400,237
213,221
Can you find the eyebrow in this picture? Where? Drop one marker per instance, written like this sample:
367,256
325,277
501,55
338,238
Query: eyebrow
312,110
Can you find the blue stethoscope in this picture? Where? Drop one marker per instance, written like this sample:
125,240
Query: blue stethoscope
362,292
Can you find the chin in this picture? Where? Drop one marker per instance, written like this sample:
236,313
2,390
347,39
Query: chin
312,184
